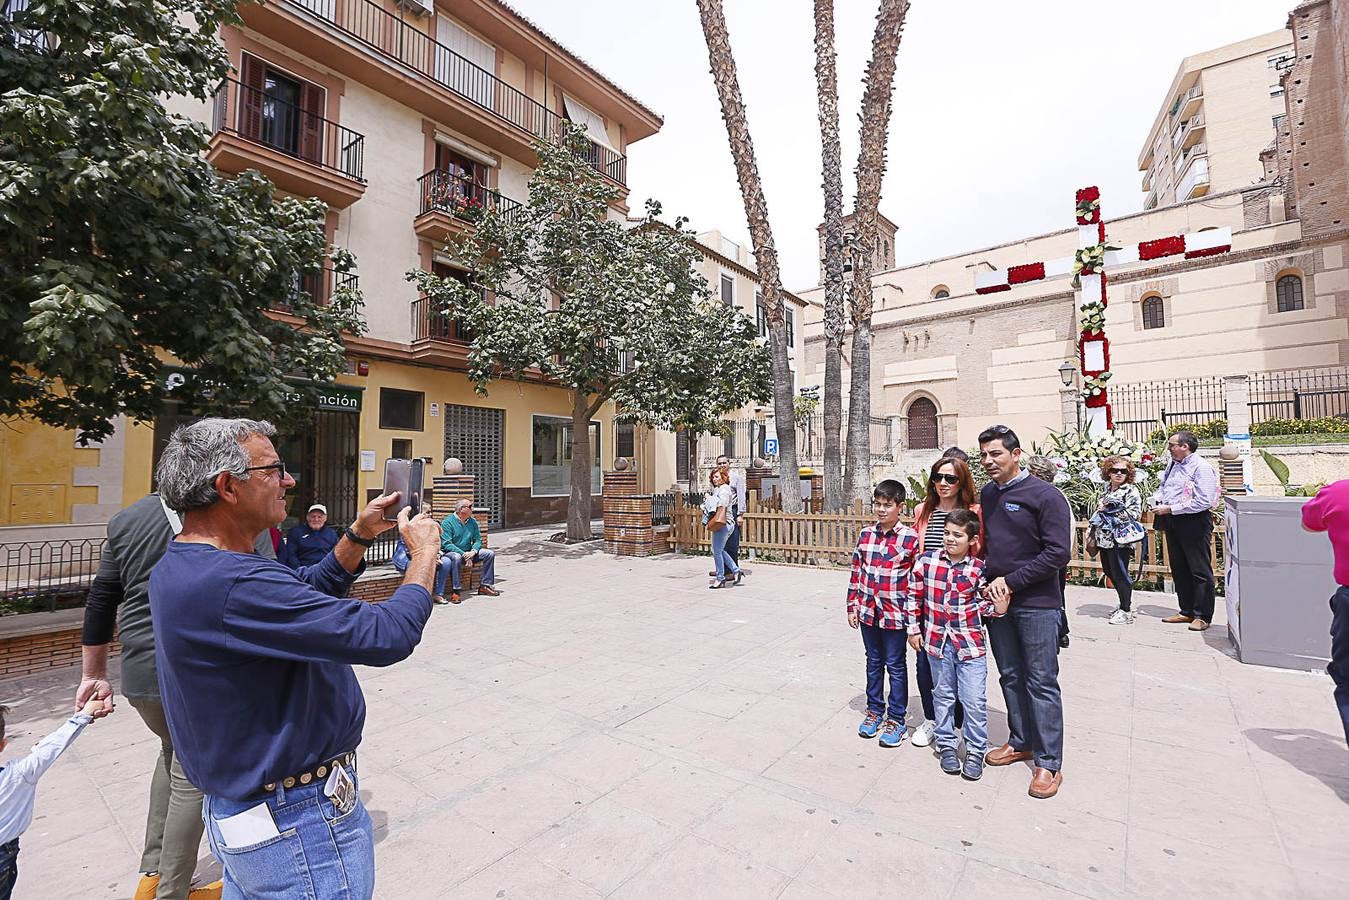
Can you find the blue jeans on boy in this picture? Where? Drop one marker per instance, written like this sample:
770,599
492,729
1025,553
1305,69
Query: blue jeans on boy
726,567
451,564
885,653
1026,646
964,681
9,868
319,852
1339,653
924,666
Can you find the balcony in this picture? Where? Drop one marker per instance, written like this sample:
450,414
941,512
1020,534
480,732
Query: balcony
1194,133
453,204
396,57
319,287
1194,181
1187,103
437,338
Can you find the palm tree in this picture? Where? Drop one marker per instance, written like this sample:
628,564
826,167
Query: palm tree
826,88
761,235
879,81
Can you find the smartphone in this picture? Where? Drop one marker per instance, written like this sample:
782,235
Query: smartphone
404,476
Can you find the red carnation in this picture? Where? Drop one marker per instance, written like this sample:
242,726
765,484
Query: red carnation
1089,193
1029,272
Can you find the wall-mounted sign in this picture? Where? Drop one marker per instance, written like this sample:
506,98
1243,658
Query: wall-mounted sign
367,460
435,410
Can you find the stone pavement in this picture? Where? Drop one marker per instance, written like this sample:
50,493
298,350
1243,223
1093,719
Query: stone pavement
611,727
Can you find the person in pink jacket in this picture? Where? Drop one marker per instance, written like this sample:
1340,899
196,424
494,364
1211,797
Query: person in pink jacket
1328,511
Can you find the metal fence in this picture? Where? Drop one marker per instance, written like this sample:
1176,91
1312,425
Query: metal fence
1141,408
41,576
1306,394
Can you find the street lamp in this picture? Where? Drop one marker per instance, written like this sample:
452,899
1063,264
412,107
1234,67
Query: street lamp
1068,374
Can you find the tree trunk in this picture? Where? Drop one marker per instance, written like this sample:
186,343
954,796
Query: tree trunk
578,507
761,235
880,79
826,88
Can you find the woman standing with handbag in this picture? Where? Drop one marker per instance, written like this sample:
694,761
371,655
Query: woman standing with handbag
1116,528
717,517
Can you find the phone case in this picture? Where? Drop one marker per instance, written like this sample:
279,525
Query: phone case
404,476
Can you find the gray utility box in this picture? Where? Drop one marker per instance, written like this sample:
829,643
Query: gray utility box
1279,582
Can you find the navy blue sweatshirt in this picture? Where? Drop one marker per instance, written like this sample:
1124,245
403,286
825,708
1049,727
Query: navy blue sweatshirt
306,547
1028,540
255,661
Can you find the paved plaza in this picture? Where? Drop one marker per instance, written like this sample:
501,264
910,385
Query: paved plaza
610,727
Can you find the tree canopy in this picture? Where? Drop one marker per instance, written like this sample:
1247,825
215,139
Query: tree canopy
122,249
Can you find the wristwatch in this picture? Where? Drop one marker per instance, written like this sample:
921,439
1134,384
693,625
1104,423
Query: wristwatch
357,539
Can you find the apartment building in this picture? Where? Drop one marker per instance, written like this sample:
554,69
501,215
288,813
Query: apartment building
407,118
1221,110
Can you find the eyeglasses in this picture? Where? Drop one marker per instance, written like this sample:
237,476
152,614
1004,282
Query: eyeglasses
280,468
949,479
1119,471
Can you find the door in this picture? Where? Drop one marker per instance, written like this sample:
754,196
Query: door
476,435
465,64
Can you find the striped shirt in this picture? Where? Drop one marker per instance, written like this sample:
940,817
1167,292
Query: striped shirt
935,533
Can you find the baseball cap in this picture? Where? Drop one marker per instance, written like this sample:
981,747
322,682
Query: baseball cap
320,507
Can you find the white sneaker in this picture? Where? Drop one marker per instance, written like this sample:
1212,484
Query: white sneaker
1120,617
922,735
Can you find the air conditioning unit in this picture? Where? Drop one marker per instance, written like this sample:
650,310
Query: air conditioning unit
420,7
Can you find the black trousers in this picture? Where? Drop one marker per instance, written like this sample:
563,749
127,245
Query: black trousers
1115,562
1188,541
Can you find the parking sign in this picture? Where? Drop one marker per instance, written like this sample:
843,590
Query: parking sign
770,446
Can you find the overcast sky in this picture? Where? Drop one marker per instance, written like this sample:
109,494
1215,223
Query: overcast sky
1001,110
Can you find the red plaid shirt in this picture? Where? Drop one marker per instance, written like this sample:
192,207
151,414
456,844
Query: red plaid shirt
943,602
880,571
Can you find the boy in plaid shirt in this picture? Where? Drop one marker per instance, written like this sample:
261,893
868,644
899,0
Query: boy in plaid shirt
880,571
944,589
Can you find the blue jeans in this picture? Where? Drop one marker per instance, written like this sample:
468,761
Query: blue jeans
401,560
1026,647
924,665
9,868
733,544
451,564
320,853
885,653
960,681
725,563
1339,653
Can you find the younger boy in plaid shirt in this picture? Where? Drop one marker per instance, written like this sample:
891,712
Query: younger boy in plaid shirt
944,589
880,571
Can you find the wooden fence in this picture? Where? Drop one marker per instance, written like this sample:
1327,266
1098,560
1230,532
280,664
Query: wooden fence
827,539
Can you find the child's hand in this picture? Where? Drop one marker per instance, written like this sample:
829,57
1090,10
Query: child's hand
852,620
915,641
95,708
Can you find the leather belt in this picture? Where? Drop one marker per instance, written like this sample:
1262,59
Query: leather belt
317,773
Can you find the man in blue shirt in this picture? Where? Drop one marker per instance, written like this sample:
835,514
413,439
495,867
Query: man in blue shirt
255,664
307,544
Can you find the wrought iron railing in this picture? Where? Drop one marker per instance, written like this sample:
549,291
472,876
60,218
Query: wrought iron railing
401,41
462,197
37,576
272,122
319,287
1305,394
1141,408
430,325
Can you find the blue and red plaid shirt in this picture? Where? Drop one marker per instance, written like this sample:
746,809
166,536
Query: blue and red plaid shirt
880,572
943,602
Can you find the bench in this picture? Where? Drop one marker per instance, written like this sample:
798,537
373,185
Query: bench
37,642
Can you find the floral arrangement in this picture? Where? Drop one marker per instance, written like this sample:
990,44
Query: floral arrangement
1091,316
1089,206
1167,246
468,208
1089,261
1094,388
1078,457
1028,272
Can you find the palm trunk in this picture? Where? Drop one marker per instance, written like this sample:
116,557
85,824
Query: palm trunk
578,507
826,83
761,235
880,79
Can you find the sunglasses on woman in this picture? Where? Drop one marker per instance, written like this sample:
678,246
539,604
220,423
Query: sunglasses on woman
949,479
1119,471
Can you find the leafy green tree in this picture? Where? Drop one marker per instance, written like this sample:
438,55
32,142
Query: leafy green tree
121,248
607,311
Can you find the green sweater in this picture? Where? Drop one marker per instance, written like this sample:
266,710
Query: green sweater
459,537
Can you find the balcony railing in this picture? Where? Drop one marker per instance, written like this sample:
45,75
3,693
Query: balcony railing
1197,176
263,119
429,325
319,286
462,197
392,37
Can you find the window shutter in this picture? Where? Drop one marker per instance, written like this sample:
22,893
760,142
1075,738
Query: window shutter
311,123
252,78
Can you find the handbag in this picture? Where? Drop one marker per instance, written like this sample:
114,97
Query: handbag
1091,546
718,520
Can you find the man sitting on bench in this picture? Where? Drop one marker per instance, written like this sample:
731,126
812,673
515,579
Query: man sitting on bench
461,546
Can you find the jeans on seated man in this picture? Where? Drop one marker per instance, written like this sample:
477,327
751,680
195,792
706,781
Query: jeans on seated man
461,547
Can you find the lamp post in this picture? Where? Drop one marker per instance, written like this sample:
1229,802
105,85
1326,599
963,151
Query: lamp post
1068,375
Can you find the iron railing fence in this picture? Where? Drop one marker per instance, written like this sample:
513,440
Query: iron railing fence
400,40
319,286
37,576
462,197
432,325
1141,408
272,122
1299,395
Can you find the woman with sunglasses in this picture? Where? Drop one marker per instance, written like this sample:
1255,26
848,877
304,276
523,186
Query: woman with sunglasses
1117,528
950,486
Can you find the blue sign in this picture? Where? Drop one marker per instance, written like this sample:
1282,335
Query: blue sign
770,446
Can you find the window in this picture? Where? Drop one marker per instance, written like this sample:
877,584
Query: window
1154,313
923,424
552,457
1276,90
683,451
1288,289
402,448
459,177
400,409
727,290
440,326
940,292
789,320
465,64
625,443
760,315
280,111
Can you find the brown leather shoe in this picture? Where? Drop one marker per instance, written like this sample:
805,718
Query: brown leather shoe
488,591
1006,755
1199,625
455,598
1178,619
1045,784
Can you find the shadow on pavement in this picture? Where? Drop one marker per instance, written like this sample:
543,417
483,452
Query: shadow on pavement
1313,753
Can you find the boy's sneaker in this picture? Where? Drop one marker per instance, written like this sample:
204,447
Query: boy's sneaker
870,725
922,735
892,734
949,763
1120,617
974,767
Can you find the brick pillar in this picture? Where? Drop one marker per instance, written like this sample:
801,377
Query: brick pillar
449,490
627,516
1237,393
1069,411
754,478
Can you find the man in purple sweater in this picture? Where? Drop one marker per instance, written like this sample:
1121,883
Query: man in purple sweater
1028,536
